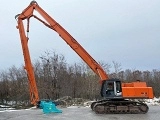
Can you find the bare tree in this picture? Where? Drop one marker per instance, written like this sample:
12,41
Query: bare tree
117,68
4,85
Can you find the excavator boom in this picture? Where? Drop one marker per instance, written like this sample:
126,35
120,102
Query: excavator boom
52,24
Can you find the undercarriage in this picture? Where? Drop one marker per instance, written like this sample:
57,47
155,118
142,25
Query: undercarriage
119,107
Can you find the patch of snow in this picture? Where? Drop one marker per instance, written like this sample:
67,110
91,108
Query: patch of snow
73,106
4,106
88,103
9,110
154,101
31,108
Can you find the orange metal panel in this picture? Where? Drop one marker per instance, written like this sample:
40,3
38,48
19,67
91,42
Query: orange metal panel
150,93
137,92
127,85
139,84
134,84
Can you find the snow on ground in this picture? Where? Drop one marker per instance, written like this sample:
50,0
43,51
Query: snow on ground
5,107
152,102
7,110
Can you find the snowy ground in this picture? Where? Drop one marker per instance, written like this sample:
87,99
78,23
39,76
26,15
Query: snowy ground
4,107
154,101
76,113
150,102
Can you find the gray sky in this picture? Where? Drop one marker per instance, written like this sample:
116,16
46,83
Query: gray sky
125,31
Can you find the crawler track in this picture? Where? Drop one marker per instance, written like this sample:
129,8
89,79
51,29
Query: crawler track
119,107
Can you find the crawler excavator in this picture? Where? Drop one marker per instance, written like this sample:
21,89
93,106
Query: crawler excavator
117,97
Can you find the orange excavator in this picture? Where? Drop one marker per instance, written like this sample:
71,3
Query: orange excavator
118,97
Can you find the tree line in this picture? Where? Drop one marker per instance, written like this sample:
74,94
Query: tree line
55,79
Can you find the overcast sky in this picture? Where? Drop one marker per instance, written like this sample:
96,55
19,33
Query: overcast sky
125,31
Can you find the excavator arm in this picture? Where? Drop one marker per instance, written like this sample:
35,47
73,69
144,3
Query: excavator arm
52,24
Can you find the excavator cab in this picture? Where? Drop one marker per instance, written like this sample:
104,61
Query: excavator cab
111,89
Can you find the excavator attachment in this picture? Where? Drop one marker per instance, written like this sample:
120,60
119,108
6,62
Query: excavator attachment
49,107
